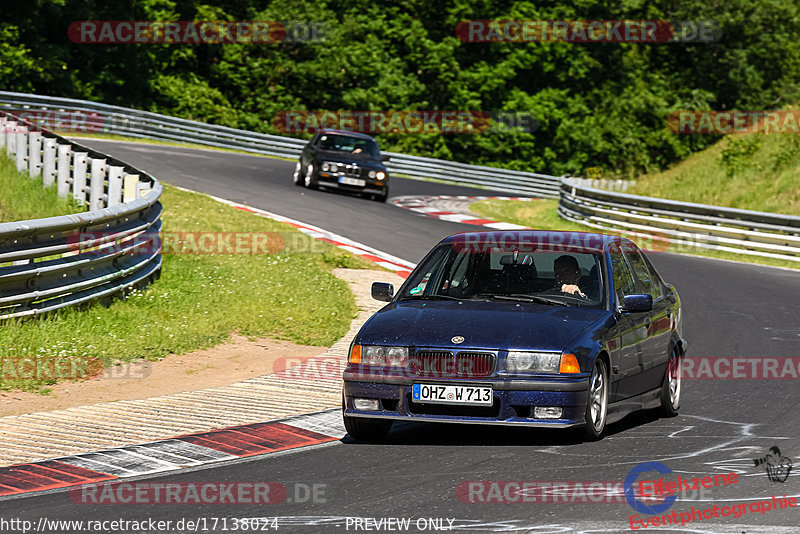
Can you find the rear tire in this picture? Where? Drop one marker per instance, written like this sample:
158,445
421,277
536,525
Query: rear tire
367,429
671,386
596,402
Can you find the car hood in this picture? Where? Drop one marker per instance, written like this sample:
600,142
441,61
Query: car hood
484,325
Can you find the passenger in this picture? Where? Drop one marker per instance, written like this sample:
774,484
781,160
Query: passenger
568,274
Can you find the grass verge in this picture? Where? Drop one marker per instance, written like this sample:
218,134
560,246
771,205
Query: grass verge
747,171
542,214
200,299
24,198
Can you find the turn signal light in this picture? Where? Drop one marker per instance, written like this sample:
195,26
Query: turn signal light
569,364
355,354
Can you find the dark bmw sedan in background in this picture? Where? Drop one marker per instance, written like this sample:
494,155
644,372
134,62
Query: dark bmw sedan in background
551,329
343,160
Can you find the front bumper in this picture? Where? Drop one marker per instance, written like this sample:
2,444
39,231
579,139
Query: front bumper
369,187
513,401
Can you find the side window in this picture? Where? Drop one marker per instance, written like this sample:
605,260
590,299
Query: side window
644,280
660,285
455,274
623,278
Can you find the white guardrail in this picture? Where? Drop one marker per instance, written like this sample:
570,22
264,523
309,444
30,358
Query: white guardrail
51,263
710,227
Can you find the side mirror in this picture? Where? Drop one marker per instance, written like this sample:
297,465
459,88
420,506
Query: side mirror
382,291
384,157
637,303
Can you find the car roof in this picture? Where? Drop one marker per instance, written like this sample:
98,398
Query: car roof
346,133
543,240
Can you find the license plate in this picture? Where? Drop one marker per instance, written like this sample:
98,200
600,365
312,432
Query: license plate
450,394
352,181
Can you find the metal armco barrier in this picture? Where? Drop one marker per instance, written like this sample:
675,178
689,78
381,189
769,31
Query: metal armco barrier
51,263
103,118
753,233
739,231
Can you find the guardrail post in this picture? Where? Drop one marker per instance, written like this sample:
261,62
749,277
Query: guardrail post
2,131
34,154
21,148
114,185
79,176
98,184
11,138
64,160
130,187
49,162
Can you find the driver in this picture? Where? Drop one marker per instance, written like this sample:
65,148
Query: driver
359,147
568,274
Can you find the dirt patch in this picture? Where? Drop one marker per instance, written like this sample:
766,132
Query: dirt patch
219,366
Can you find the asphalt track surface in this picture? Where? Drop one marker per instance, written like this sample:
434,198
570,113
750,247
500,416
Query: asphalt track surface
730,309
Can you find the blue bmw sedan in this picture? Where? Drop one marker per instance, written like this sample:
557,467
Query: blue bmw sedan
531,328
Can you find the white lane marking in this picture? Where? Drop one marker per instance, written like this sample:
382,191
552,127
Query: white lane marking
505,226
684,429
457,217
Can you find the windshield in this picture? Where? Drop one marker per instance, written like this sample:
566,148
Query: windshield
571,278
356,146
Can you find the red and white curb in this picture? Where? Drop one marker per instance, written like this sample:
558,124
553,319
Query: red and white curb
173,454
454,209
384,259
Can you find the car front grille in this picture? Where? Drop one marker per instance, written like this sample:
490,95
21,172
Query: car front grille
444,364
347,169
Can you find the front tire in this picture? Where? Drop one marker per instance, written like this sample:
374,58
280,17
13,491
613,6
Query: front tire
671,386
597,402
371,430
309,181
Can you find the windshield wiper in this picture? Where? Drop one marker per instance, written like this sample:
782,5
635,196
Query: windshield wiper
431,297
527,298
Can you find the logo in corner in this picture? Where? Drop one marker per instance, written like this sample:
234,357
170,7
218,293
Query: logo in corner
776,466
457,339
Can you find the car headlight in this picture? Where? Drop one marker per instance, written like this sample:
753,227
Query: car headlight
537,362
325,166
372,174
380,175
384,356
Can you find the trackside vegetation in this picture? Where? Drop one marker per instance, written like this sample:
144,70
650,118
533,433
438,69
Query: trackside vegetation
199,300
601,105
747,171
24,198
